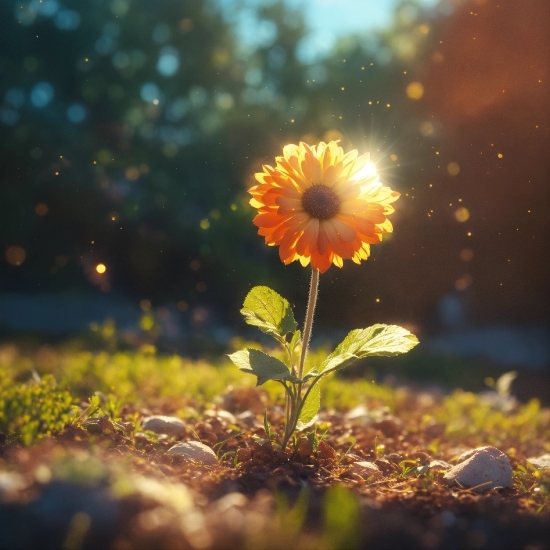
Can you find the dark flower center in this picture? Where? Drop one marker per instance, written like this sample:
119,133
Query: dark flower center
321,202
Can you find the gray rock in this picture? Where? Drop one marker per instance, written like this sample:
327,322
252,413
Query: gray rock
541,462
194,450
169,425
481,469
439,465
367,469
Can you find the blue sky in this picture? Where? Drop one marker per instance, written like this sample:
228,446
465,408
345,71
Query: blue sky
327,20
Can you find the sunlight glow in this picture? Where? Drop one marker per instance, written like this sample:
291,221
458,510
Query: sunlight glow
368,171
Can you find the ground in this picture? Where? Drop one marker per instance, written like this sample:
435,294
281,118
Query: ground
98,480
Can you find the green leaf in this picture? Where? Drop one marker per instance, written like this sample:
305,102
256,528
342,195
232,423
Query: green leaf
310,407
261,365
295,340
386,340
270,312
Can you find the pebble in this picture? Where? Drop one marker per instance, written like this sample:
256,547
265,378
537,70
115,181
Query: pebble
169,425
224,415
367,469
195,450
439,465
482,469
540,462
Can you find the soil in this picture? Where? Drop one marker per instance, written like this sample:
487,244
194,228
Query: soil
105,486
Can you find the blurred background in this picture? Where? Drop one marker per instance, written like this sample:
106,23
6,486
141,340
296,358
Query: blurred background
130,131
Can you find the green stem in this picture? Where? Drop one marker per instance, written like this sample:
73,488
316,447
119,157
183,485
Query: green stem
296,403
313,292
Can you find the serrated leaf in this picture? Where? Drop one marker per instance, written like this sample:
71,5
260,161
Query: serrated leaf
378,340
310,407
269,311
261,365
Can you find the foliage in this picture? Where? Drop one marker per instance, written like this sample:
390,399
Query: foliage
34,409
271,313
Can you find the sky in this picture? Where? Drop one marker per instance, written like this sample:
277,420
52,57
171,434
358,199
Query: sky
327,20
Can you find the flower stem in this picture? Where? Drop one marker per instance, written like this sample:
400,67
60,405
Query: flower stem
294,403
313,292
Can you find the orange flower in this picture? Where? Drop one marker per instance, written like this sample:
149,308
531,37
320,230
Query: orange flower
321,206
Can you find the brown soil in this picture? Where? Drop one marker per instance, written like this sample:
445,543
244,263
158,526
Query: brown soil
234,503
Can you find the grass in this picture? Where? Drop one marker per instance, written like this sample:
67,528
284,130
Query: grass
48,396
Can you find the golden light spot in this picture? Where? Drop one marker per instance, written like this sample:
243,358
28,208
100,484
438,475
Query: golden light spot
145,304
415,90
233,207
453,168
393,157
205,224
41,209
377,300
15,255
462,214
182,305
101,268
424,29
113,216
132,173
463,282
466,254
500,155
57,173
469,233
426,128
342,88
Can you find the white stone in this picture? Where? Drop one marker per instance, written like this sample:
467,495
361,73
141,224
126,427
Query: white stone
367,469
224,415
195,450
540,462
169,425
439,465
481,469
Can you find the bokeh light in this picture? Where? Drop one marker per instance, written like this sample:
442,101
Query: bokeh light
15,255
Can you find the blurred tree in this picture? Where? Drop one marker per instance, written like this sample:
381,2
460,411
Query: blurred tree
130,130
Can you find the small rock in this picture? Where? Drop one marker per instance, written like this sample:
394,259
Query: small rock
169,425
367,469
483,469
540,462
195,450
359,414
248,419
224,415
439,465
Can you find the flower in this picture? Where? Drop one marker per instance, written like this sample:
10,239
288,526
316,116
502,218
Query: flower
322,206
